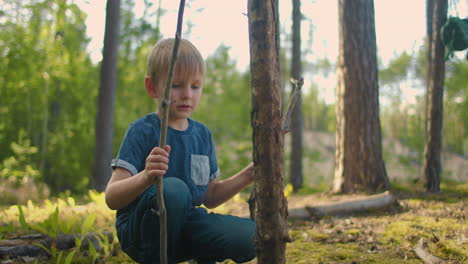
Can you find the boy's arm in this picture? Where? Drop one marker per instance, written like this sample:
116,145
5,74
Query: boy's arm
221,191
123,188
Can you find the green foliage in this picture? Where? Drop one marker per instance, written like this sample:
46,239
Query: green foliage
318,115
50,226
397,70
233,156
406,122
455,128
225,104
48,85
225,109
22,220
20,166
64,217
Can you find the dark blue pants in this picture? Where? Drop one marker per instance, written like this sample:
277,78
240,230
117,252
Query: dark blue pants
192,232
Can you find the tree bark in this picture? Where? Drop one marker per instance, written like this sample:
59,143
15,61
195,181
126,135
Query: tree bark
296,171
106,98
428,42
359,165
271,234
432,156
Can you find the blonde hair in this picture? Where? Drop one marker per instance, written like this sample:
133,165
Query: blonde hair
189,61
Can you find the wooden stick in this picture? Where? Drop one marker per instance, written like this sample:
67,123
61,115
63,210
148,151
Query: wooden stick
297,89
162,139
426,257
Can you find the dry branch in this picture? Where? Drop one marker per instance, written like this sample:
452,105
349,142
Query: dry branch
286,128
424,255
372,202
27,245
162,140
297,90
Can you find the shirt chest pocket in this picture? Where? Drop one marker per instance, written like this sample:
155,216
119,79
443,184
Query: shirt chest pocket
200,169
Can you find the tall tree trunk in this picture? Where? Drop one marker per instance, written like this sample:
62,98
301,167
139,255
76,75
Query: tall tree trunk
251,200
297,119
359,165
52,120
271,216
428,43
106,99
432,162
278,53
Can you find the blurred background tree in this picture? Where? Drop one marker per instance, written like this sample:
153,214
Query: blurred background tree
49,87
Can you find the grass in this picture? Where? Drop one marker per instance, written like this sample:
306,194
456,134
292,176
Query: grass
377,237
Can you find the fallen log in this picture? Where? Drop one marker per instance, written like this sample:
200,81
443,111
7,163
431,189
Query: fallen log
298,214
28,245
373,202
424,255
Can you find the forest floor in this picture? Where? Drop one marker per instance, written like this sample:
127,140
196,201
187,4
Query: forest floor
388,236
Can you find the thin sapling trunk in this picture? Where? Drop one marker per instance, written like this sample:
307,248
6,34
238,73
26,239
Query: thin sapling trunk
162,140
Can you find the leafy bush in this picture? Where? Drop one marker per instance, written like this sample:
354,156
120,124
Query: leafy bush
19,175
20,165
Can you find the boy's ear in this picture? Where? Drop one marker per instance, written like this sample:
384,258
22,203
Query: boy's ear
150,88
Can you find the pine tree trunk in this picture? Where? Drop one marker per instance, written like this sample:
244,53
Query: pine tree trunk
297,118
428,44
106,98
358,157
432,160
284,75
271,216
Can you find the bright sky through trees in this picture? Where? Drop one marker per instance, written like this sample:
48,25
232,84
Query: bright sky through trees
400,26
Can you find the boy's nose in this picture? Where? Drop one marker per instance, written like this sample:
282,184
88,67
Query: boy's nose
186,92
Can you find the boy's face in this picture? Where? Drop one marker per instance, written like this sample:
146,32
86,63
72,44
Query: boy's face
185,96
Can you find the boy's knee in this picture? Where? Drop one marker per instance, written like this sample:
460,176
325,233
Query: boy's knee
176,193
243,248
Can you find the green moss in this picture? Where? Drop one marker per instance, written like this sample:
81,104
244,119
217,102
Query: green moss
353,231
317,252
455,188
317,236
417,227
450,249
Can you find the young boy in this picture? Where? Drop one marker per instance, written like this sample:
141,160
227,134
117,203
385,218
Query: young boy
189,169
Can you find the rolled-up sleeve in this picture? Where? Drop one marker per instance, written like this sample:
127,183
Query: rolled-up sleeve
134,149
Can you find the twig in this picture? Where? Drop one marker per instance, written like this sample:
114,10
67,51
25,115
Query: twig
162,140
427,257
297,89
286,128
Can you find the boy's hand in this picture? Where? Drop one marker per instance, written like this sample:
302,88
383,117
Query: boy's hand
249,172
157,163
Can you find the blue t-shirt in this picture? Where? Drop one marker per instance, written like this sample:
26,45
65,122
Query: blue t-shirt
192,158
